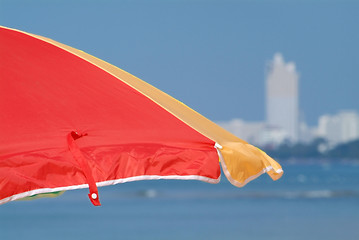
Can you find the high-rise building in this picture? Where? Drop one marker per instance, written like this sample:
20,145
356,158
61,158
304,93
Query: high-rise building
282,97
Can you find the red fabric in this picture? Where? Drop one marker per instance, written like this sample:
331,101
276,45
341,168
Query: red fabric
47,92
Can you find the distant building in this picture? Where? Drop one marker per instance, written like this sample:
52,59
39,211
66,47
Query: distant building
257,133
248,131
282,97
340,128
282,120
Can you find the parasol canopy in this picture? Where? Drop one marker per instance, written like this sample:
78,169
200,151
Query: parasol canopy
69,120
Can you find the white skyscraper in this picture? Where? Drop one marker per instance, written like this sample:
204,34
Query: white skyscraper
282,96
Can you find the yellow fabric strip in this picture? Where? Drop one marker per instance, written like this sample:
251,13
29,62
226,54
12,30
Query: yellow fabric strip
243,161
42,195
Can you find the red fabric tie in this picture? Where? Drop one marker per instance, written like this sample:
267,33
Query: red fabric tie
79,157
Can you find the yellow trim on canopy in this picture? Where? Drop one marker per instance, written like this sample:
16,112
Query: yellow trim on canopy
241,161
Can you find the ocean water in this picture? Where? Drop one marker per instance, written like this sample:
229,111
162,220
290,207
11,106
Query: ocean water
313,200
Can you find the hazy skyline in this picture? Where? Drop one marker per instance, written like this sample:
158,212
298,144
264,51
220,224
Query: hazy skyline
212,55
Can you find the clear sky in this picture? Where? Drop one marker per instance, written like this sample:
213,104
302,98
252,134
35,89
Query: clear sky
211,55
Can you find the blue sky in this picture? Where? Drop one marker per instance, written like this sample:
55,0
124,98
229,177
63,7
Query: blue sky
211,55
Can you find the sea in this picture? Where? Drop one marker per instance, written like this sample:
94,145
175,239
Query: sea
315,199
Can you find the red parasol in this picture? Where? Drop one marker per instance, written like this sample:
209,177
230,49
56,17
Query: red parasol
69,120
